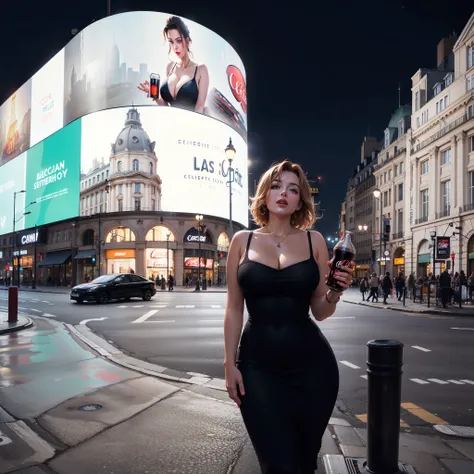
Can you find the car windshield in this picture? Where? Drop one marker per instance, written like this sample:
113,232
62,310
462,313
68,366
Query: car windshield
104,279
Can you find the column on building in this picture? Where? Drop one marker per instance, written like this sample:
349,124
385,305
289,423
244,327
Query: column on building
416,190
434,184
461,191
140,258
179,264
454,175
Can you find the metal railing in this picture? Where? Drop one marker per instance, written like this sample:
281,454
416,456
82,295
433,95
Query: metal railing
444,213
398,235
468,207
421,220
432,294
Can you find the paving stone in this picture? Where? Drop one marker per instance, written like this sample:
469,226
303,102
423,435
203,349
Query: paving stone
348,436
429,445
422,462
329,445
350,451
459,466
464,446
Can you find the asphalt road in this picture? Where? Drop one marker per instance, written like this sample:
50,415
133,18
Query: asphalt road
184,331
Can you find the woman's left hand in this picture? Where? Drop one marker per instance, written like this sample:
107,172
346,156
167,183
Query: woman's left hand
343,276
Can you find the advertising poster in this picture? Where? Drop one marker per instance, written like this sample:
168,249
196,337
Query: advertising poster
12,179
47,99
109,63
443,247
52,177
15,124
153,164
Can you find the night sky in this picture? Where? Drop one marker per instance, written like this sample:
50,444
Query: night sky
319,78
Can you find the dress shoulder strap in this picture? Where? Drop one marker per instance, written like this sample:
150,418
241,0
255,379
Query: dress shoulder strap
310,244
248,244
195,72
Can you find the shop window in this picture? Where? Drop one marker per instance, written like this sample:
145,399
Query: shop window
120,234
223,242
88,237
159,234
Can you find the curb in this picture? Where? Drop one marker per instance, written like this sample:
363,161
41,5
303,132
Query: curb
111,353
18,326
29,290
407,310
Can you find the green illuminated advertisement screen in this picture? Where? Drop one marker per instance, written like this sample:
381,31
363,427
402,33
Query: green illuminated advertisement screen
53,177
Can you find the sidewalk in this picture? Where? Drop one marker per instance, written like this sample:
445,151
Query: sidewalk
6,327
69,410
66,289
353,295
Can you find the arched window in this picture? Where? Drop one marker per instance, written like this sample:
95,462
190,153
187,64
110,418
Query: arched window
151,168
88,237
120,234
223,242
136,166
119,166
159,234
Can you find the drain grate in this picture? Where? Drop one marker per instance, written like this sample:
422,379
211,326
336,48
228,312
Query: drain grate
453,430
90,407
359,466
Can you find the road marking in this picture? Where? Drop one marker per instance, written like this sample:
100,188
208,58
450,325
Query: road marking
44,301
35,310
467,381
352,366
421,348
189,306
161,321
216,306
363,418
441,382
143,318
85,321
35,299
456,382
47,315
16,348
197,374
161,306
420,381
365,377
210,320
180,306
4,439
121,307
423,414
464,329
341,317
138,306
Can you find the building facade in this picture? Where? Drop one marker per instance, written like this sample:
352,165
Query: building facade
389,204
440,161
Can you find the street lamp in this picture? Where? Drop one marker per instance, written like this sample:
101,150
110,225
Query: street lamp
106,189
14,233
433,238
230,155
168,234
199,219
378,195
363,227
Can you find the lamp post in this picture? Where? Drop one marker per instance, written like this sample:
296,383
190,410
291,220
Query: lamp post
433,238
14,235
199,218
230,155
107,187
378,195
33,283
363,228
168,234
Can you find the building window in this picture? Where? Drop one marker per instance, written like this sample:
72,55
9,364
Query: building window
470,82
387,138
424,117
120,234
400,192
120,205
400,221
119,166
471,187
424,167
437,88
448,79
152,204
445,196
151,167
120,189
417,122
470,56
390,197
424,204
395,171
138,204
159,234
446,157
417,100
137,188
135,165
401,127
385,199
389,175
471,144
401,167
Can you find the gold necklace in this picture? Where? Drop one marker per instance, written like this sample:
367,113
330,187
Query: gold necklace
278,243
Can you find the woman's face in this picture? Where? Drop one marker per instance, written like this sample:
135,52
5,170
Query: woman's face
283,198
177,44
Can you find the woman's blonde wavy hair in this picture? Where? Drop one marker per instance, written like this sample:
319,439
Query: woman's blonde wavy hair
304,217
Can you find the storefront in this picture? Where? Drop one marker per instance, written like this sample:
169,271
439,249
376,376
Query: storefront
27,244
399,261
470,256
86,261
198,261
424,259
56,268
24,263
159,263
120,261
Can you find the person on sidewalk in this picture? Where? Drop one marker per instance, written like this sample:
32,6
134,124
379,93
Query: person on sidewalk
283,375
387,286
445,286
364,287
374,288
400,285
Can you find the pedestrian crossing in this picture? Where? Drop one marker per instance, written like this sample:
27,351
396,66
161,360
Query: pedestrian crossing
410,415
167,306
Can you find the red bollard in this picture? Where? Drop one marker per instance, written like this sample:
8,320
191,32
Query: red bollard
13,304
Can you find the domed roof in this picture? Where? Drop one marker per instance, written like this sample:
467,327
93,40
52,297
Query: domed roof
133,137
403,111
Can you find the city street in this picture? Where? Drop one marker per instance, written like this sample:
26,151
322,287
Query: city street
184,332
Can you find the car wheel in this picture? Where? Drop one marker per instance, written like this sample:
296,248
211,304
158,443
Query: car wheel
103,298
147,295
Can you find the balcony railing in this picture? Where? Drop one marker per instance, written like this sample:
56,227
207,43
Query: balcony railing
421,220
444,213
468,207
442,132
398,235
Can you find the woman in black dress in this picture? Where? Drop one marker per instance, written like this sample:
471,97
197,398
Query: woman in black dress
283,375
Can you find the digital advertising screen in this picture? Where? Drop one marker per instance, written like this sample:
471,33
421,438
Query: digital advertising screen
181,86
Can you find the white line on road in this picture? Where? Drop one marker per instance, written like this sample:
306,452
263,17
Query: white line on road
421,348
35,310
216,306
420,381
441,382
365,377
470,382
47,315
332,318
138,306
189,306
180,306
352,366
161,306
161,321
85,321
456,382
45,302
121,307
143,318
464,329
210,320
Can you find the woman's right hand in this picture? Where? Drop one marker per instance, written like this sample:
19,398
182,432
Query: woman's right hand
144,87
234,380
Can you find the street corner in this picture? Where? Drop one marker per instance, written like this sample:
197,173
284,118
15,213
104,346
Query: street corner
21,447
22,323
84,416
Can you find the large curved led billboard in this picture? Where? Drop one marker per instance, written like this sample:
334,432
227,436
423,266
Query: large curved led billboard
179,84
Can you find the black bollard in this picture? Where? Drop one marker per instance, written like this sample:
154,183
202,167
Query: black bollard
384,369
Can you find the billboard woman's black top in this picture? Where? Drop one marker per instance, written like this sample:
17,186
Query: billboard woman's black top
187,95
289,371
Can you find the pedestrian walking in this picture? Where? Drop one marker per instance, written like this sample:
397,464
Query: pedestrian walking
364,287
387,286
374,288
275,374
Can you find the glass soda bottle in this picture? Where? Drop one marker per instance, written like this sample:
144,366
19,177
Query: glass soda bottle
344,254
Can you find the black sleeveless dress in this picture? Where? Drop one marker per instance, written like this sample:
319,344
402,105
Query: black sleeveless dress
290,374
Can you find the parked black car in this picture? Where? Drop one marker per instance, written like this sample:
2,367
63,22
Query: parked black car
118,286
